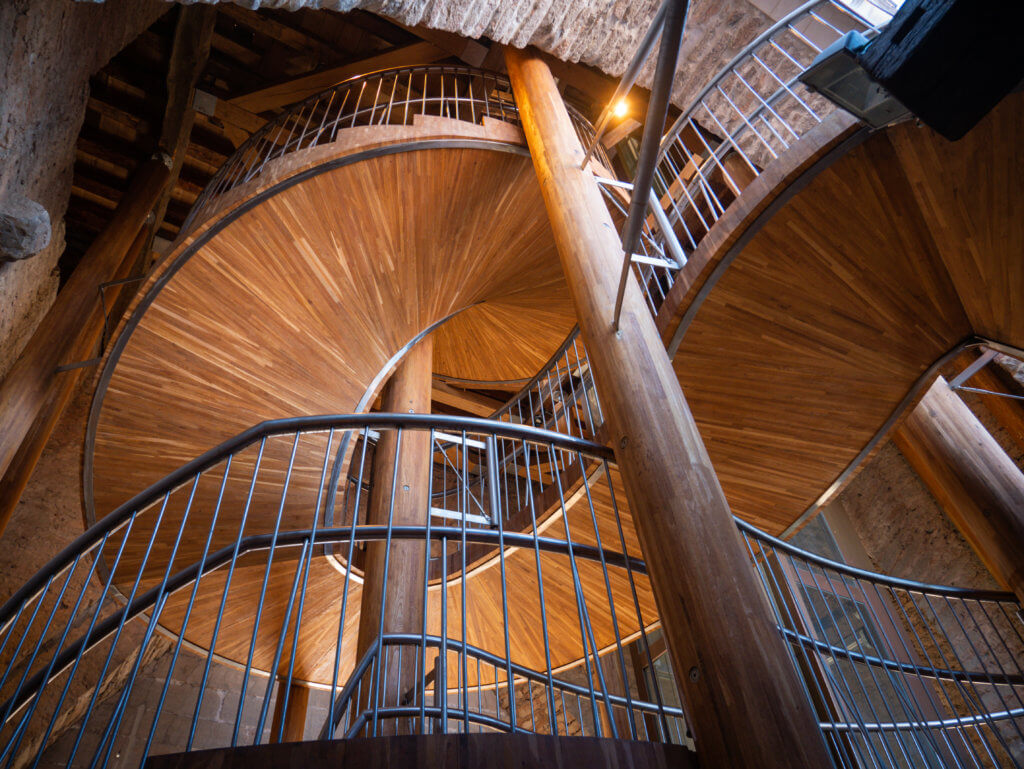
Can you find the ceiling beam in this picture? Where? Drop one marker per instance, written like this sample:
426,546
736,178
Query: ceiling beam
189,52
468,51
471,403
280,95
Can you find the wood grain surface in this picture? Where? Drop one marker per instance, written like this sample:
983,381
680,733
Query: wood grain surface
825,319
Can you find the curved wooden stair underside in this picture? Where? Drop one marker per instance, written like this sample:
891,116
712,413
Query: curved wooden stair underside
830,287
291,297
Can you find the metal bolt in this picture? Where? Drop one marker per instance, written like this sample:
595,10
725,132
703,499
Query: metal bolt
405,487
694,674
623,442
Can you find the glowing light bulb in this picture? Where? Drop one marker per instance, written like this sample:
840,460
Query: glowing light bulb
621,108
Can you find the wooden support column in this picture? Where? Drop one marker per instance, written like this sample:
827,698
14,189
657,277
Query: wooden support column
189,53
293,714
72,326
975,482
742,695
399,495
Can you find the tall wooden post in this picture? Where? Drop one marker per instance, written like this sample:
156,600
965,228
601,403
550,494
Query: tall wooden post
975,481
399,496
742,694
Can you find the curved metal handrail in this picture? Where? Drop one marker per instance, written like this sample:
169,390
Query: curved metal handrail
94,534
748,114
461,92
972,629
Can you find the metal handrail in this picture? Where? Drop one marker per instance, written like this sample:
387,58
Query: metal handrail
273,427
764,112
975,678
321,118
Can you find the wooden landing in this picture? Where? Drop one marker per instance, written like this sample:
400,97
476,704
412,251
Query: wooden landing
833,306
443,751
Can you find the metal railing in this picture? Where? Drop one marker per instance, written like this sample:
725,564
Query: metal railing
750,113
901,674
228,557
562,397
541,621
390,97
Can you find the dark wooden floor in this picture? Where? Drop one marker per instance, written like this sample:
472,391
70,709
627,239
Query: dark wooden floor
448,751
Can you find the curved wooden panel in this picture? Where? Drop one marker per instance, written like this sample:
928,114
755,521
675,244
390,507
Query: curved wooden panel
291,301
837,303
295,305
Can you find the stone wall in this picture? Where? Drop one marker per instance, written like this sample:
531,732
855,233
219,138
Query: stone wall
48,50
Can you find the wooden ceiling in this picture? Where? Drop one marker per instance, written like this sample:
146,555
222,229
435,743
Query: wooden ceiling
251,54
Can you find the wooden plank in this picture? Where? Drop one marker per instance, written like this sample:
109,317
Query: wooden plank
471,403
295,90
746,704
189,52
293,713
442,751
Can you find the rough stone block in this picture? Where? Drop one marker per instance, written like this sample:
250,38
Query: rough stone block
24,228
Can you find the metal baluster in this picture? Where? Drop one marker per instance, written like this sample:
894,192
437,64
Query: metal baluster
540,588
188,609
662,720
263,593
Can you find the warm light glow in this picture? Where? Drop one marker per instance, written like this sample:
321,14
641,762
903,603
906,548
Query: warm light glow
621,108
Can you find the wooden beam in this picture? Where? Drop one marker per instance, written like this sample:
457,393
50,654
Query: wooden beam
400,494
462,48
619,132
73,323
293,713
18,474
746,703
977,484
471,403
283,94
1007,411
192,37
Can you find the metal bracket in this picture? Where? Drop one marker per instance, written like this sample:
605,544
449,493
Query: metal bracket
102,288
973,369
80,364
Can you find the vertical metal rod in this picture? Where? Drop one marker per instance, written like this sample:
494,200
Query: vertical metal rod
335,716
464,691
384,579
281,636
263,594
188,609
657,111
426,587
586,631
283,703
117,633
224,594
662,719
540,589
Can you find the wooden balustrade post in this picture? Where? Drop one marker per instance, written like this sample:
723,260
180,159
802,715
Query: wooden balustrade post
398,605
742,693
975,481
